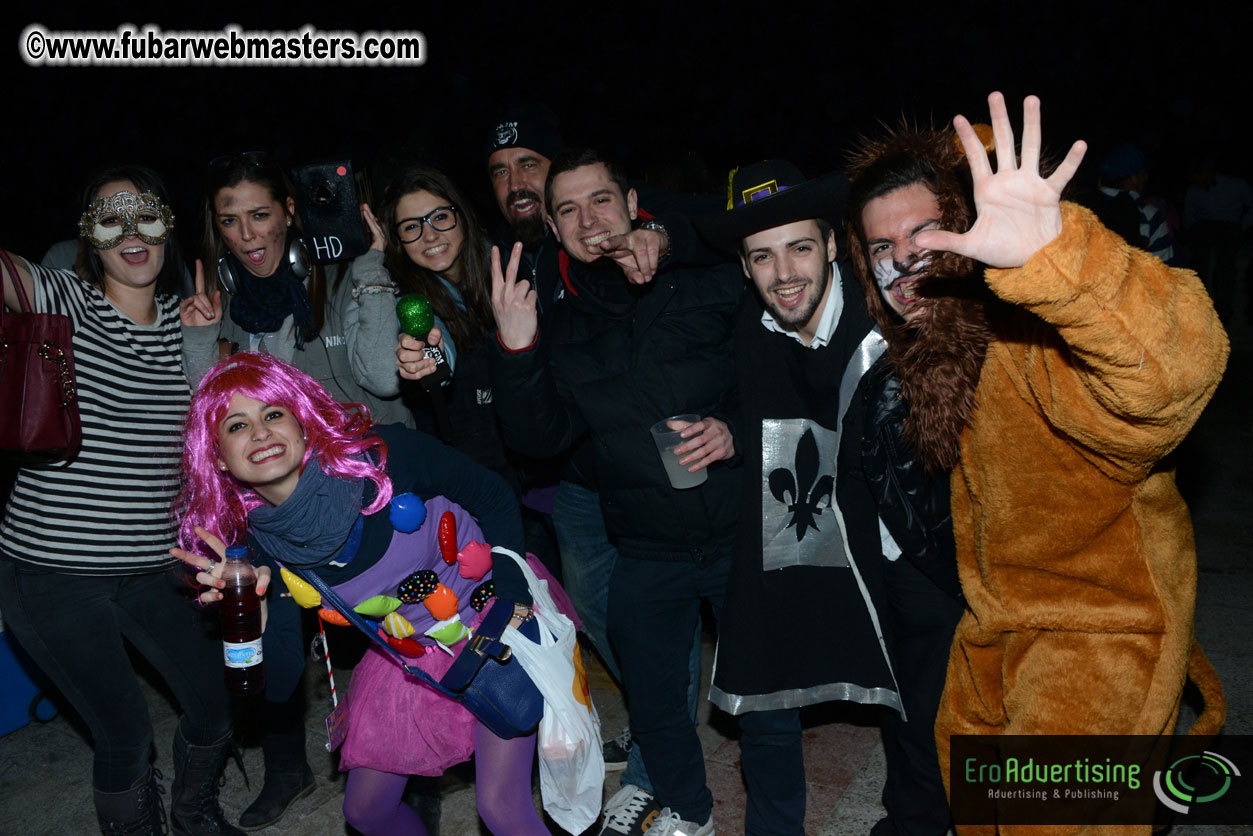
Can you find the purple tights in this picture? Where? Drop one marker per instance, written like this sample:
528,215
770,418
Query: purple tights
373,802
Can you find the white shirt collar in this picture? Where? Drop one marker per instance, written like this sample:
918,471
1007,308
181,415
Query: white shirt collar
1112,192
827,323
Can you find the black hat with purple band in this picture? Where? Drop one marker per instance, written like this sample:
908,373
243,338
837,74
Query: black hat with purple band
769,194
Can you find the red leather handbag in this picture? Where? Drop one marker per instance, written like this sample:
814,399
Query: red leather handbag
38,398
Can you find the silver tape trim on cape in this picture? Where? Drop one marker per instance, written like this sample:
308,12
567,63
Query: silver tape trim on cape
797,697
868,351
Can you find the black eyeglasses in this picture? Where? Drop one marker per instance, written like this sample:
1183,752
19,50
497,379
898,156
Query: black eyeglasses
441,219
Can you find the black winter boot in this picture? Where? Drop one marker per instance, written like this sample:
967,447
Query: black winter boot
137,811
194,809
281,790
288,777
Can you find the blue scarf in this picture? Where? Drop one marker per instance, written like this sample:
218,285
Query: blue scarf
260,304
312,526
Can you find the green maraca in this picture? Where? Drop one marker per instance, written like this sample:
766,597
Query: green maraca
417,319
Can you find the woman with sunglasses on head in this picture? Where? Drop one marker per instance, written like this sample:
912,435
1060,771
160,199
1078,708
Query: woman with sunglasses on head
428,241
272,460
337,328
325,321
84,562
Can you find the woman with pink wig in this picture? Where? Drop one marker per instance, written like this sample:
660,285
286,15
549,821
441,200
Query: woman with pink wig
272,460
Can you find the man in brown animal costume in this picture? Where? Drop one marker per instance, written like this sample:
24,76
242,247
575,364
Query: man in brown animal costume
1054,397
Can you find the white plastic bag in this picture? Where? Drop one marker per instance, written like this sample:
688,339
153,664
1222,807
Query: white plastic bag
571,759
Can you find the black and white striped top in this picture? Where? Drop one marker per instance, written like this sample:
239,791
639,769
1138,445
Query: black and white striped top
108,511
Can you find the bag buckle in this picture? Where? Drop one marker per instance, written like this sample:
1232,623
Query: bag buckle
486,646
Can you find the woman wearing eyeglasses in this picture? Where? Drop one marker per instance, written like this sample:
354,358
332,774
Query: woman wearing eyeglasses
428,241
339,327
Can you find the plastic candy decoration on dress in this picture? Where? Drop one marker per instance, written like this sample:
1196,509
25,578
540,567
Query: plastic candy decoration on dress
442,603
407,647
378,606
474,561
408,512
448,632
417,586
397,626
447,535
483,593
332,617
303,594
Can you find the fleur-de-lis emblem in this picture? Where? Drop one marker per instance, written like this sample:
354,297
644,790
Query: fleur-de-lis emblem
804,492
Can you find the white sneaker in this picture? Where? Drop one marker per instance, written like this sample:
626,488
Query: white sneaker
631,811
669,824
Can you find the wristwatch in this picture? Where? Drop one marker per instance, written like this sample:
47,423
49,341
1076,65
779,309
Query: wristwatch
658,226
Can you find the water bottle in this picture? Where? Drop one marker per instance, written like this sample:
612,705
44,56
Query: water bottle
241,625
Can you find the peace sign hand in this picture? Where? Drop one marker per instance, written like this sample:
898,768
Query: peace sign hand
1018,211
199,309
513,302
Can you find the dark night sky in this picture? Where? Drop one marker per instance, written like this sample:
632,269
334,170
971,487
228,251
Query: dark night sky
646,83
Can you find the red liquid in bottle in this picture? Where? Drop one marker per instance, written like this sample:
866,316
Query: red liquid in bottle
241,626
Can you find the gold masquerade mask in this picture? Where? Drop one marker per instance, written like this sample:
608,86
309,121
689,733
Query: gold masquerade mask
110,219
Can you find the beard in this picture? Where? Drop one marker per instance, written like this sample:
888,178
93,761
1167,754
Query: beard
791,319
529,229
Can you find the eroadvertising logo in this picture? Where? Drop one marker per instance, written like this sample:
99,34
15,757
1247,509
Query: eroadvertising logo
1097,779
1210,772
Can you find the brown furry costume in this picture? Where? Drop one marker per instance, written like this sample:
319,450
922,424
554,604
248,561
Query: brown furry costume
937,356
1074,547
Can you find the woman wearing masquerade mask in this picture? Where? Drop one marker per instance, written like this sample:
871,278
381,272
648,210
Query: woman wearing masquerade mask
337,328
429,242
75,592
270,458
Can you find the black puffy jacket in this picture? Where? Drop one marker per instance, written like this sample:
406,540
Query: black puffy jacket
914,505
612,360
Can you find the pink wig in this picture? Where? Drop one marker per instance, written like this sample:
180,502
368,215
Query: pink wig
337,433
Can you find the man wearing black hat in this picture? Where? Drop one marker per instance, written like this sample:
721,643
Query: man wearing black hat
610,361
800,623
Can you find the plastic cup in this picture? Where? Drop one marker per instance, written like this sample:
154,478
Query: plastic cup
666,436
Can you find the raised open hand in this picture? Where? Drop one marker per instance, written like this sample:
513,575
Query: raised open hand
1018,211
513,302
378,238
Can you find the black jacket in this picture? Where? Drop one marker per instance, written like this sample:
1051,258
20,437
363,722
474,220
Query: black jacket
541,267
612,360
913,504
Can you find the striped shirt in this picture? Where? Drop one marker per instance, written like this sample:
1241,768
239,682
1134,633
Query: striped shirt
107,512
1154,233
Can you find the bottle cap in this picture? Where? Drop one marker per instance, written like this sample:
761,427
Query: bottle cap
237,551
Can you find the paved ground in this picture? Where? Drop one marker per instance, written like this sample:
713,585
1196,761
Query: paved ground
45,769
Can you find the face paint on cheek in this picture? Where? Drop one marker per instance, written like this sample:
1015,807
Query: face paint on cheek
885,273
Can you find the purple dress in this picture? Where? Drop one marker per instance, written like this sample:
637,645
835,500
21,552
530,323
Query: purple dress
395,723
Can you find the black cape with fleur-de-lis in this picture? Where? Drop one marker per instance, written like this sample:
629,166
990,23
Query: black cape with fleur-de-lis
800,618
